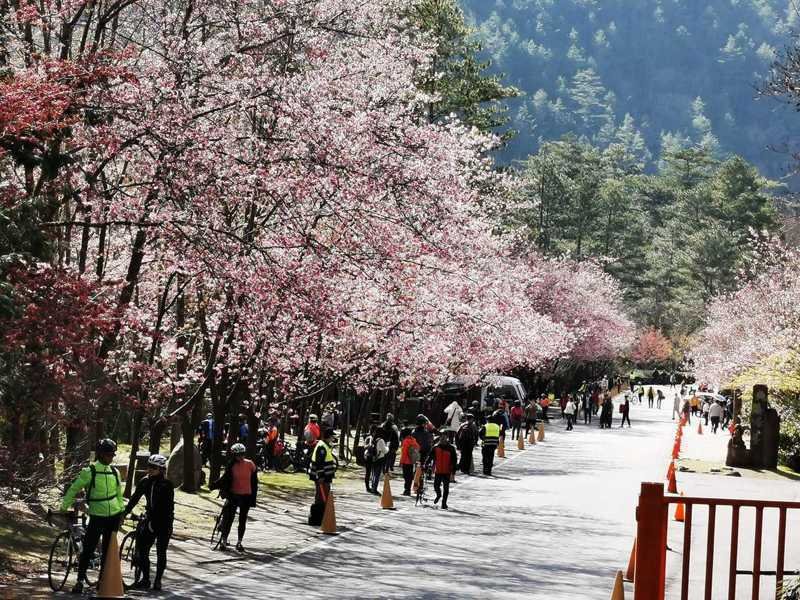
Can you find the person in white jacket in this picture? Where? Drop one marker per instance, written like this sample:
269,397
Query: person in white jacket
676,406
569,413
453,414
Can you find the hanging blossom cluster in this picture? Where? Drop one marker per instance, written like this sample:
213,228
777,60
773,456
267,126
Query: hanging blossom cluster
252,191
754,327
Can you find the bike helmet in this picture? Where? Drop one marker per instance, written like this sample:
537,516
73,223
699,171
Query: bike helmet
421,419
312,417
105,446
238,449
156,460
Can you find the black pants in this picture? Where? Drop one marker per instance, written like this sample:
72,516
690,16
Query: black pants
389,462
243,504
143,544
408,478
569,422
439,482
705,417
649,402
714,424
515,429
97,527
465,462
587,414
529,424
625,417
487,452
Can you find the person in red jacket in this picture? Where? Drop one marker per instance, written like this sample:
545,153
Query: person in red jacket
444,459
409,455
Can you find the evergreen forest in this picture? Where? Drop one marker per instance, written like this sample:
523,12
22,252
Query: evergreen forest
672,72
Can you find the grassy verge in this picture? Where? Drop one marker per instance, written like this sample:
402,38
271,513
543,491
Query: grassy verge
25,540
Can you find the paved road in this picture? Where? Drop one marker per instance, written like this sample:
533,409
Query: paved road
556,522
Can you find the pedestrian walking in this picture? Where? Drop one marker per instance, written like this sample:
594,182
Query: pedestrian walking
159,496
517,415
443,462
715,411
105,505
687,411
424,437
544,402
625,411
705,410
569,413
586,402
238,486
409,456
641,394
659,398
322,472
490,437
607,413
676,406
650,397
466,440
530,416
453,414
391,435
375,450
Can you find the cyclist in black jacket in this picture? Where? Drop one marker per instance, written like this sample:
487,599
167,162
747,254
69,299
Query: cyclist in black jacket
159,494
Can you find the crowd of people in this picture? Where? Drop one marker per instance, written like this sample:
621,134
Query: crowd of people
439,453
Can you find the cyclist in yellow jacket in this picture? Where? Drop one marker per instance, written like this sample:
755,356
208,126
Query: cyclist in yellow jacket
105,504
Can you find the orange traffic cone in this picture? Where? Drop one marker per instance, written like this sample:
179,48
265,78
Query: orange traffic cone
387,503
673,483
111,581
501,449
540,437
329,517
676,450
532,437
417,478
619,590
671,470
680,511
520,443
631,563
699,427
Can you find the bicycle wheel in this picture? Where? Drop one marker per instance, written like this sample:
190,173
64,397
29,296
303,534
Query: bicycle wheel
128,560
216,533
60,562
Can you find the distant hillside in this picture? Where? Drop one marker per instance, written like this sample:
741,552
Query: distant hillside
679,69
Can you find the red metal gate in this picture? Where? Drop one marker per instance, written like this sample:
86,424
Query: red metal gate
652,517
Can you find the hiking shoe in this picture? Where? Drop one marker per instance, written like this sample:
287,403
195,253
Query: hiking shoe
407,493
143,584
436,500
78,587
239,547
223,546
157,585
444,506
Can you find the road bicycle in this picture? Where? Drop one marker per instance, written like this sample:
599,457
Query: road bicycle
66,551
216,533
129,553
422,497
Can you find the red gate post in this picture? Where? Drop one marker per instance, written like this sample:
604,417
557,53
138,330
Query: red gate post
651,547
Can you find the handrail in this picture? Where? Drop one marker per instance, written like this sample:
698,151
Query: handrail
676,499
652,524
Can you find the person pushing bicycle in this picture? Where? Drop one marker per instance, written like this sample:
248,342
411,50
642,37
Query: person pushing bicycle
159,495
105,504
238,485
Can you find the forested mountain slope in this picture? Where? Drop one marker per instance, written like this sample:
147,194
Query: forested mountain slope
676,68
